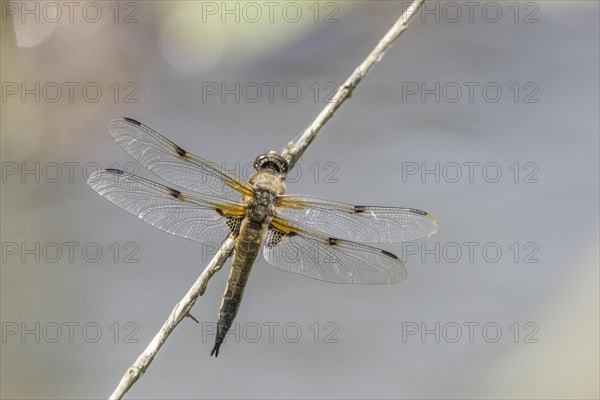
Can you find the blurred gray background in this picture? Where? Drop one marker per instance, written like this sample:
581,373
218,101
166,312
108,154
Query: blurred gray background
72,323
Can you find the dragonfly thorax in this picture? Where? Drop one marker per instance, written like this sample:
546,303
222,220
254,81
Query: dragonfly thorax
261,207
270,181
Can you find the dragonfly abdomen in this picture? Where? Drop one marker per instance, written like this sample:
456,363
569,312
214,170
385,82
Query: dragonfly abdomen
246,251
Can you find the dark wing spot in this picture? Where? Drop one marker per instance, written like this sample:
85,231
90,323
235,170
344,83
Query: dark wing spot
175,193
387,253
115,171
132,121
234,224
181,152
276,236
418,211
291,234
360,209
332,241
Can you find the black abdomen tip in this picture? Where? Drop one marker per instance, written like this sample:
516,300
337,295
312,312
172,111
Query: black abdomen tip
215,350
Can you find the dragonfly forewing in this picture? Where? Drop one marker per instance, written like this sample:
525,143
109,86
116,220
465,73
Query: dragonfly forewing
358,223
174,164
198,218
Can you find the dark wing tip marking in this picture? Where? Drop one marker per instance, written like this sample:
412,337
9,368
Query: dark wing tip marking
425,214
387,253
132,121
175,193
360,209
332,241
115,171
181,152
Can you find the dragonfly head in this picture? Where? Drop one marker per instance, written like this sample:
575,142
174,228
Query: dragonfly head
272,161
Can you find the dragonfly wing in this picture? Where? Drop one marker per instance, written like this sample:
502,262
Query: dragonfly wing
358,223
293,248
199,218
174,164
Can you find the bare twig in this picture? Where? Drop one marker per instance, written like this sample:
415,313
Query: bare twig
179,312
292,152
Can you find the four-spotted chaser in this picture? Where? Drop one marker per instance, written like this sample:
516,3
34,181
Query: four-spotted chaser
305,235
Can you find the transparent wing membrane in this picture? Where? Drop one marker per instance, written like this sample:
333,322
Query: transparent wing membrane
199,218
293,248
358,223
175,165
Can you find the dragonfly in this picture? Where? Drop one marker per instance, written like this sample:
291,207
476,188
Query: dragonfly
310,236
